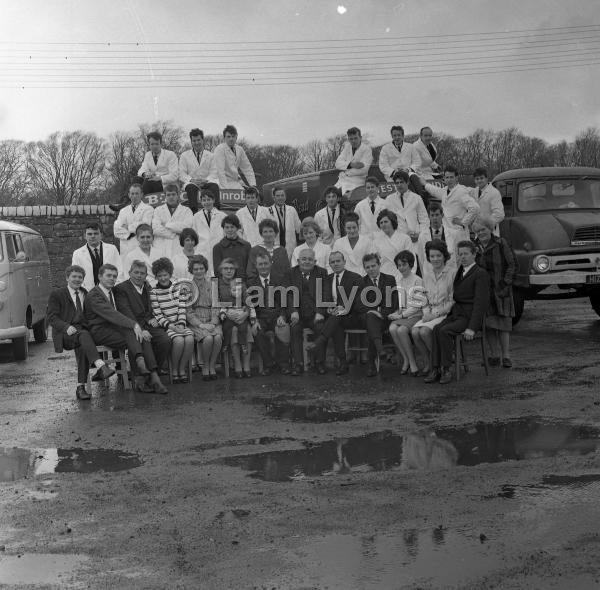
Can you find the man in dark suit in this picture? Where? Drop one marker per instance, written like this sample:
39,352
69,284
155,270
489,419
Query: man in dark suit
65,314
308,281
471,300
270,292
344,309
132,298
111,328
380,296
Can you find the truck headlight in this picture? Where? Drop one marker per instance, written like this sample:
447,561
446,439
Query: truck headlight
541,263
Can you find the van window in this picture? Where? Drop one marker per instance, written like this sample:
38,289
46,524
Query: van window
1,247
34,246
14,245
548,195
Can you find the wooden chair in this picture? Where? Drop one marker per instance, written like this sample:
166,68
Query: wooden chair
460,358
119,363
357,346
306,332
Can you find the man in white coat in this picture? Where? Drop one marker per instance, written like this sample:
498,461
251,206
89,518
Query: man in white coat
197,170
397,155
329,219
169,221
233,166
353,162
488,197
250,216
287,219
129,218
427,154
435,231
159,168
207,223
369,208
145,252
94,254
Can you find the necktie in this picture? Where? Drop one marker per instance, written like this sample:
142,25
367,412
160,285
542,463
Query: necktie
281,215
198,156
330,218
111,298
373,207
133,208
305,277
374,282
78,302
337,288
402,200
155,158
266,282
399,147
253,213
448,190
96,255
207,216
479,194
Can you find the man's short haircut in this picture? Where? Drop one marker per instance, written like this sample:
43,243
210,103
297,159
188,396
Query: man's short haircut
197,259
135,185
207,193
335,252
423,129
278,188
373,180
304,251
74,268
405,256
485,221
251,190
229,129
188,232
351,216
230,261
93,225
397,128
231,219
371,256
401,174
106,267
467,244
143,227
451,169
480,172
353,131
195,132
386,213
439,246
268,223
162,264
264,255
171,188
138,264
154,135
310,223
332,190
435,206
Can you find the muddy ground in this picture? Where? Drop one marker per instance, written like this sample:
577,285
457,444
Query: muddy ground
299,483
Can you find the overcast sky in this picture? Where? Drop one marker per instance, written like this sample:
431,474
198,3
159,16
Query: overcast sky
551,103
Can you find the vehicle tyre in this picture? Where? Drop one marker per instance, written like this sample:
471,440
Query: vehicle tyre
40,331
21,348
595,300
519,301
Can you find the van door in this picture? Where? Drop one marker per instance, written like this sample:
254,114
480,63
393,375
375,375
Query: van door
22,279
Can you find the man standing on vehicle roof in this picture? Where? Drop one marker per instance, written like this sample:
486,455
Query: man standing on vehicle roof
488,197
353,162
427,154
397,155
233,166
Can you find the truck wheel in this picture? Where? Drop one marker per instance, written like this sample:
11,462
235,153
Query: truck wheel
40,331
21,348
519,302
595,300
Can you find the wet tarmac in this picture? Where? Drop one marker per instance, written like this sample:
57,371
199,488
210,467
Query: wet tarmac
39,568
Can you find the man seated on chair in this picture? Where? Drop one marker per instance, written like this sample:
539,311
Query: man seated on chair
132,298
308,281
380,297
111,328
270,292
471,299
69,331
343,291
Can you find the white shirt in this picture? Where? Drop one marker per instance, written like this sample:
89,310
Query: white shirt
249,230
228,161
263,279
73,293
351,178
424,169
466,269
290,221
368,220
126,224
411,212
490,204
333,288
322,219
139,254
390,158
167,227
110,255
456,202
107,293
189,167
354,255
167,166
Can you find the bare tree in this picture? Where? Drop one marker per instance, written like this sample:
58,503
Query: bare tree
173,136
124,160
587,148
66,166
314,154
13,171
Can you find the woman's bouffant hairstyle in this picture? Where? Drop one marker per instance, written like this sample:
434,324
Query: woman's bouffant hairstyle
197,259
162,264
438,245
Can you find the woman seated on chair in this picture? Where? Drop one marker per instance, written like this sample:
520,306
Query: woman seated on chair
203,318
410,287
438,294
169,308
471,296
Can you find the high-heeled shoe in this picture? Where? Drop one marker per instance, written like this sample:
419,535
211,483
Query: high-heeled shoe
213,376
238,375
416,373
247,374
404,371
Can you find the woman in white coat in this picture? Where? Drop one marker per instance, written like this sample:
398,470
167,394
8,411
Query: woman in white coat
389,242
353,245
207,223
311,232
169,221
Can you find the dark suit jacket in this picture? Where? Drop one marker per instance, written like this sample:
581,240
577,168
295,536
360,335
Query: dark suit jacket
135,306
280,262
350,281
386,285
62,314
99,312
471,295
237,249
278,300
317,274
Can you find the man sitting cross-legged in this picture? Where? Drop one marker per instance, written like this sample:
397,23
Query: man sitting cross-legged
111,328
65,314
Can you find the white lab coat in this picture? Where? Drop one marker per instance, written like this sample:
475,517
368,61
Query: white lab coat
166,167
167,228
387,248
125,225
368,221
190,168
228,163
292,226
180,266
321,250
424,169
322,220
249,231
412,216
351,178
490,204
208,236
354,256
390,159
137,254
110,255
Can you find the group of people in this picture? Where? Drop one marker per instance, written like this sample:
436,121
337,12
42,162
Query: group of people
391,268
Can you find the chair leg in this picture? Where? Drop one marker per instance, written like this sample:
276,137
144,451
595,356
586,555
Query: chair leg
484,354
225,356
125,374
457,356
170,371
463,354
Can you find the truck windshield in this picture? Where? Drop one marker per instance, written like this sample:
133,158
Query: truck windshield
551,194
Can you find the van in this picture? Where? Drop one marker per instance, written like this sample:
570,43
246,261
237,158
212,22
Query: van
24,286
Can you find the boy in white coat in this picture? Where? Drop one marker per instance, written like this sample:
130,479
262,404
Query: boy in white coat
488,198
169,221
397,155
159,168
287,220
250,216
329,219
427,153
231,159
207,223
145,252
369,208
353,162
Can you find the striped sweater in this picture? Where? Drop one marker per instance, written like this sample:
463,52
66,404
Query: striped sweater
167,305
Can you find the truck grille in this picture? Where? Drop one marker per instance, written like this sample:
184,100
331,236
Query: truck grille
586,235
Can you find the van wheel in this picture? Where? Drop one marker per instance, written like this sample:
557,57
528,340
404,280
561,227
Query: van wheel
40,331
519,302
21,348
595,300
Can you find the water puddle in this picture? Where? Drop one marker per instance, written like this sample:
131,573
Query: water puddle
319,413
39,568
16,463
263,440
441,448
570,486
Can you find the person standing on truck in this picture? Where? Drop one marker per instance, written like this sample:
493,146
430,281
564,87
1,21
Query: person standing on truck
329,218
250,217
159,168
353,162
369,208
287,219
397,155
197,170
427,154
233,166
488,197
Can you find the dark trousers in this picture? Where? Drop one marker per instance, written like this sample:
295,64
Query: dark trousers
161,344
334,328
149,186
115,337
242,331
85,352
192,191
282,350
297,340
375,327
443,340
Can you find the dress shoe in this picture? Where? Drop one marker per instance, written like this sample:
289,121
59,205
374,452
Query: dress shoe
247,374
506,362
266,372
371,370
103,373
320,367
238,374
142,385
158,387
140,363
432,376
213,377
206,377
342,369
445,377
295,372
494,361
82,393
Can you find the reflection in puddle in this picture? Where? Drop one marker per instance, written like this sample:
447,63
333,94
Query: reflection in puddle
38,568
437,449
263,440
571,487
323,413
16,463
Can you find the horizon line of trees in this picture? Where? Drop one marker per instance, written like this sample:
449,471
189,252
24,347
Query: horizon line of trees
70,168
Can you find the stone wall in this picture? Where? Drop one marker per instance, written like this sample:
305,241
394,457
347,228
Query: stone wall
62,229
